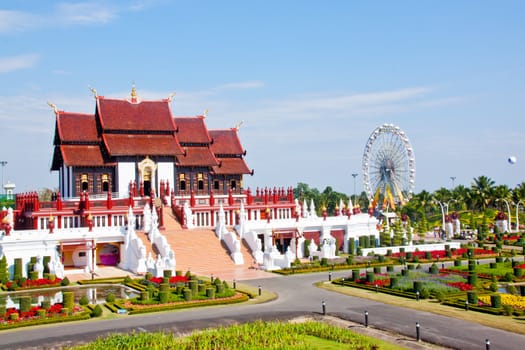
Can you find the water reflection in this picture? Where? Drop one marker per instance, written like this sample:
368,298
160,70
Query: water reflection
96,294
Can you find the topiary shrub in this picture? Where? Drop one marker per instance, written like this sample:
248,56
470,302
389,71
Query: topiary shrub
68,300
210,292
84,300
148,276
495,300
472,297
509,277
188,294
17,272
25,303
424,293
110,298
163,296
433,269
97,311
65,281
128,279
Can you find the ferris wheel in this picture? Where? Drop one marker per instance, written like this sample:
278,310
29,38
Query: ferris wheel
389,167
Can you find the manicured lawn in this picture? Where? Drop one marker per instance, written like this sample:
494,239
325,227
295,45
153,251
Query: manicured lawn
253,335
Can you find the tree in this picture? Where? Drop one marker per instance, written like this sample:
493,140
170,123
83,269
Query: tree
482,190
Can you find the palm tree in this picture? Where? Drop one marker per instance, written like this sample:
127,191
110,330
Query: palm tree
482,191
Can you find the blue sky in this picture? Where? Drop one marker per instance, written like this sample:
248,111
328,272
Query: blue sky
309,79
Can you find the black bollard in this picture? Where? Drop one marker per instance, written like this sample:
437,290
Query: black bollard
330,276
343,281
417,295
260,290
323,304
211,278
418,332
377,288
466,305
234,284
487,344
366,319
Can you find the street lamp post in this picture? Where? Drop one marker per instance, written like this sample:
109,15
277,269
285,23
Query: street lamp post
517,215
453,178
354,175
442,214
3,163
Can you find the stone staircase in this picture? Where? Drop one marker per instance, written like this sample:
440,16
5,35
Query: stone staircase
149,249
201,252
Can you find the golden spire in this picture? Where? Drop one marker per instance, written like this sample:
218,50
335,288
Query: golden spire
205,114
133,92
171,96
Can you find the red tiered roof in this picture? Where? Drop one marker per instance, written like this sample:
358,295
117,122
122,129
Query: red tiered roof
76,127
226,142
197,156
192,130
130,116
141,144
82,155
122,127
231,166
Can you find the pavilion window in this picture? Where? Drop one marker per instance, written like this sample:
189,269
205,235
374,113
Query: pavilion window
105,182
200,181
84,184
182,182
233,184
216,185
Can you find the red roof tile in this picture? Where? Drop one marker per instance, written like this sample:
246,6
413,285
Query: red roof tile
231,166
192,130
76,127
82,155
197,156
125,115
141,144
226,142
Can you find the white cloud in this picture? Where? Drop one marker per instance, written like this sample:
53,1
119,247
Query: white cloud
12,63
13,21
85,13
242,85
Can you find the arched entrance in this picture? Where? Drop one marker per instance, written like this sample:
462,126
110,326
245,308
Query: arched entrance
147,169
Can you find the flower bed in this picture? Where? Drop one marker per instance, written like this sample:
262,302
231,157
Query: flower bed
436,254
28,283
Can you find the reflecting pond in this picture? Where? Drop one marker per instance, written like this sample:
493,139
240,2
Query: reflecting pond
96,294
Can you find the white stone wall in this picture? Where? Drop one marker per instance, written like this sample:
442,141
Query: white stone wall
125,174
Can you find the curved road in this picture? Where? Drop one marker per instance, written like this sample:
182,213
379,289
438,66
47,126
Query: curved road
296,296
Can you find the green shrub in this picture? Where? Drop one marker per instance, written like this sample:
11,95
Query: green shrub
14,316
84,300
128,279
144,295
494,287
110,298
509,277
68,300
163,296
25,303
188,294
433,269
472,297
97,311
424,293
324,262
65,281
148,276
41,313
495,300
370,277
45,304
349,259
17,275
210,293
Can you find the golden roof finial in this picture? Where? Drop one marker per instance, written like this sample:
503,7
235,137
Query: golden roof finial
205,114
54,106
133,91
238,126
171,96
95,95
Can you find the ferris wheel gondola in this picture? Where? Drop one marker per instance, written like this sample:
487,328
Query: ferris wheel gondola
389,167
